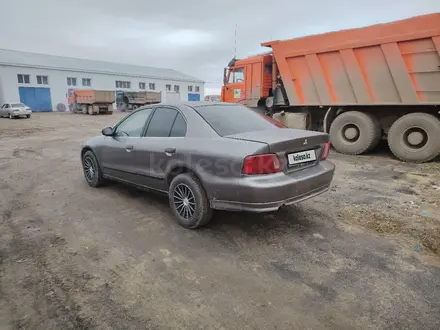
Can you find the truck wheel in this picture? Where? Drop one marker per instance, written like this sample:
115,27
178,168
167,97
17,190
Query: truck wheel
355,132
90,110
414,137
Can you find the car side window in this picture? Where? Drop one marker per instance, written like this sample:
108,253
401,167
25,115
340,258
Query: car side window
134,124
179,127
161,122
6,106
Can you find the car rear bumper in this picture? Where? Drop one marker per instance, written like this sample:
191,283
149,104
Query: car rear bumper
269,193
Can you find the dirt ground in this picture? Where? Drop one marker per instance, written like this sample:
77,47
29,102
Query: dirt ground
365,255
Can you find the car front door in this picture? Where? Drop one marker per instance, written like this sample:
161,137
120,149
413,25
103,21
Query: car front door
5,110
118,155
161,145
235,88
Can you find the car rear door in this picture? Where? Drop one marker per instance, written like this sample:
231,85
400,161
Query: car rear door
161,145
118,154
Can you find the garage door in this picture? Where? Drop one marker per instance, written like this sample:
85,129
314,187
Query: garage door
172,97
37,98
193,97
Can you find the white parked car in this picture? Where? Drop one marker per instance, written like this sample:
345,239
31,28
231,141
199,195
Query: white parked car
15,110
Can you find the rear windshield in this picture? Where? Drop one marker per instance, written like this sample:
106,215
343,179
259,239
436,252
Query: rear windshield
17,105
235,119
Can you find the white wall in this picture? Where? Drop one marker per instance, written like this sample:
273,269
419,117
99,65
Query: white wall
58,83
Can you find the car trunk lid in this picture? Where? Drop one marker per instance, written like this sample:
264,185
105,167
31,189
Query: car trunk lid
295,148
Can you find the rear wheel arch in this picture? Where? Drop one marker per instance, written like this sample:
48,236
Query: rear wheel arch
179,169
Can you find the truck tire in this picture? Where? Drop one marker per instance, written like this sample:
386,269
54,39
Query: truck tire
355,132
90,110
414,138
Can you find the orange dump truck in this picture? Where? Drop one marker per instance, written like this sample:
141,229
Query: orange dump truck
92,102
359,85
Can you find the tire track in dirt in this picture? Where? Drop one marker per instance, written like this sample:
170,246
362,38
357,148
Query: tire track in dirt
54,293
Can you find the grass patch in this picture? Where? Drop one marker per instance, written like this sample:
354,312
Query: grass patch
426,232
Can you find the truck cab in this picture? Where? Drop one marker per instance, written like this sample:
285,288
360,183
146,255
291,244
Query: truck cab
248,81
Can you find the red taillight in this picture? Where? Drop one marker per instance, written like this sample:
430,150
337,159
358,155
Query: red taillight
325,150
262,164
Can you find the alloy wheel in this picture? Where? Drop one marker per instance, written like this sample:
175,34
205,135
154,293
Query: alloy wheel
89,169
184,201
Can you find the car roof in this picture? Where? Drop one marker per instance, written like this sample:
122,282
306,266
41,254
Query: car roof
196,104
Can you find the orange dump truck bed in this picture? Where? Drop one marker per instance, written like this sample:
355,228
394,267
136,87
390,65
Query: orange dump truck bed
90,96
393,63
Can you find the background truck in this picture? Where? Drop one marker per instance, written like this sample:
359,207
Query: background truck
134,100
359,85
91,101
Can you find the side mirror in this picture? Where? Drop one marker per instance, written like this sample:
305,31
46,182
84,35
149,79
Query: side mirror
224,76
108,131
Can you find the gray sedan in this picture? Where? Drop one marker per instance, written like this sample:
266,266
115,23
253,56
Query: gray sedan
208,156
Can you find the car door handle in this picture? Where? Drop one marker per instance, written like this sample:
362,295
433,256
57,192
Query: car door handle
170,151
129,148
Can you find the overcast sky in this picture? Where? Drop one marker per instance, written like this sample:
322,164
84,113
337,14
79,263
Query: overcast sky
194,37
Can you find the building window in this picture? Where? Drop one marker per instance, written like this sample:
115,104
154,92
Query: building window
123,84
168,88
152,86
176,88
190,88
71,81
42,80
24,79
197,89
87,82
141,85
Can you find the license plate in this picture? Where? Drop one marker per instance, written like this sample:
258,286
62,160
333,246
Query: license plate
301,157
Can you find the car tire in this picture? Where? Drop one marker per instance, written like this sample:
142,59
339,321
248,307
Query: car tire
424,144
355,132
188,201
11,116
94,178
28,116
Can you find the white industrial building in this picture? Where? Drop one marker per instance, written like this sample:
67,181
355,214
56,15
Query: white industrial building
44,82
